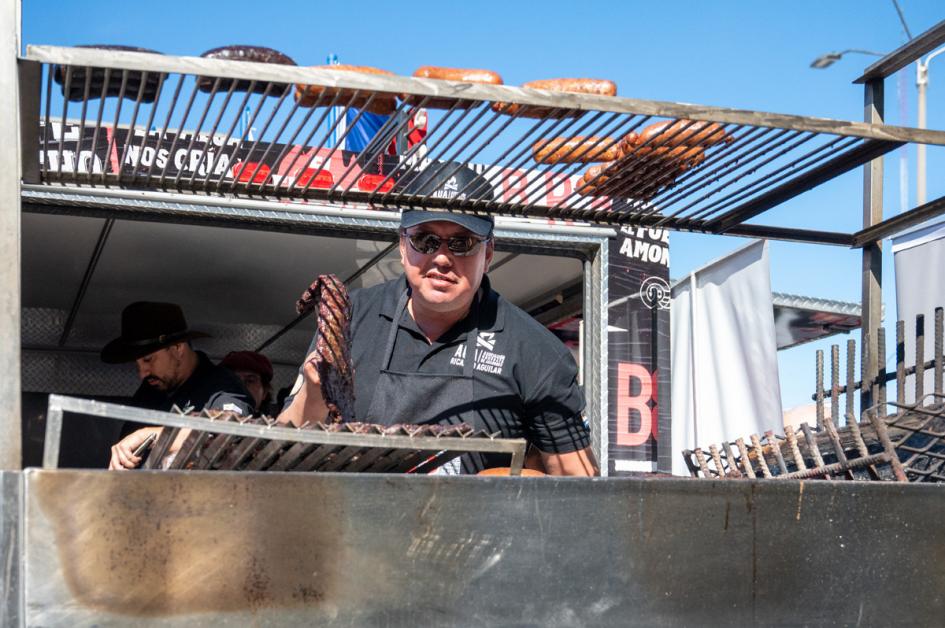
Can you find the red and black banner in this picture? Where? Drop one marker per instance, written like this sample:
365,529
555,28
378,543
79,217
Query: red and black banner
224,164
638,351
185,159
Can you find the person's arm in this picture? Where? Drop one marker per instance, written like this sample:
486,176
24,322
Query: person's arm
577,463
123,456
554,409
307,402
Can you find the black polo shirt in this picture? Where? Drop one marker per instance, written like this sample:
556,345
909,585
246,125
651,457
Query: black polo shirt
525,379
210,387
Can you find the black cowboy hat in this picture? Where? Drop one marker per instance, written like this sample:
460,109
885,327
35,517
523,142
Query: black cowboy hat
147,326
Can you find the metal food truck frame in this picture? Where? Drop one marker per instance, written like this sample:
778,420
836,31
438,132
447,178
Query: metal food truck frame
176,548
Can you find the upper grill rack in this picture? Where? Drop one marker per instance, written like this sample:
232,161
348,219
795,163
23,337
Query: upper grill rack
163,133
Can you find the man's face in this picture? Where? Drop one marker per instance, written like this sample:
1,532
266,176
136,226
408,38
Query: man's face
163,368
254,386
442,281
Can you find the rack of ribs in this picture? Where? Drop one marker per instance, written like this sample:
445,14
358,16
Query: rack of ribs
328,297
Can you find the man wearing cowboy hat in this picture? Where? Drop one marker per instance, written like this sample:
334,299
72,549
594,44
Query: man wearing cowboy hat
155,337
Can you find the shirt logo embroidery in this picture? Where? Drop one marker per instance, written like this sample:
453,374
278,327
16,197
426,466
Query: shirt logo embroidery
486,360
486,339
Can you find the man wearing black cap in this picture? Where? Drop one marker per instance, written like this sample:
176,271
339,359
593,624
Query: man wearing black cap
155,337
438,345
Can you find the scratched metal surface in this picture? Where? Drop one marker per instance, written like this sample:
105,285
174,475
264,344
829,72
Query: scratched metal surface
167,549
10,575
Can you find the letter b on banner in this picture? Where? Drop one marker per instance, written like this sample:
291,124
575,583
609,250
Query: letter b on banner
635,395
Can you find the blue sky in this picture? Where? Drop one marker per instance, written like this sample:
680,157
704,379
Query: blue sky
751,55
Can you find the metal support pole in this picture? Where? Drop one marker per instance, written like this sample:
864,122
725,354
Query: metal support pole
595,353
86,280
10,167
872,269
921,84
53,437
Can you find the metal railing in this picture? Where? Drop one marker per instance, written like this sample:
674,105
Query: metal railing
907,444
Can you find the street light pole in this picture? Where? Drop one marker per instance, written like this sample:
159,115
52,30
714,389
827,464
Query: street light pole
921,83
828,59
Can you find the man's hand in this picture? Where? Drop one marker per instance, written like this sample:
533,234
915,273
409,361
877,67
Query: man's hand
123,456
308,403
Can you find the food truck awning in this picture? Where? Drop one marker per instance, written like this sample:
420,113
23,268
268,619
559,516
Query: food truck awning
799,319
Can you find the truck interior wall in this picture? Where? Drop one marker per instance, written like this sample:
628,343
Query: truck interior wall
239,285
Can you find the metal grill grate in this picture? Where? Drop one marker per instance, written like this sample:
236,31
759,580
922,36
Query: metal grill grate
224,441
853,452
159,131
919,432
908,446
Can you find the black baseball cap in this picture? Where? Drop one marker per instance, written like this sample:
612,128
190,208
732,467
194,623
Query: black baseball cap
480,225
450,180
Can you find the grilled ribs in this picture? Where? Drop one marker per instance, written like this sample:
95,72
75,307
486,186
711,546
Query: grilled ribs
332,357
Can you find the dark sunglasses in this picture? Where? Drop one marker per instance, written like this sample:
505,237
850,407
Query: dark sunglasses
429,243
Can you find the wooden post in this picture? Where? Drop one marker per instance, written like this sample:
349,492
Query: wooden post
872,268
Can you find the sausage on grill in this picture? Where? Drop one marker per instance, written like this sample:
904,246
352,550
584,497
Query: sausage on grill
682,158
599,87
573,150
255,54
642,173
684,133
462,75
137,84
596,180
385,104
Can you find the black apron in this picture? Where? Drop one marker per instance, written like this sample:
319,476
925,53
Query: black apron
413,397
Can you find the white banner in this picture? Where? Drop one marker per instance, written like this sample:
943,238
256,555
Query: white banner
724,353
920,288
